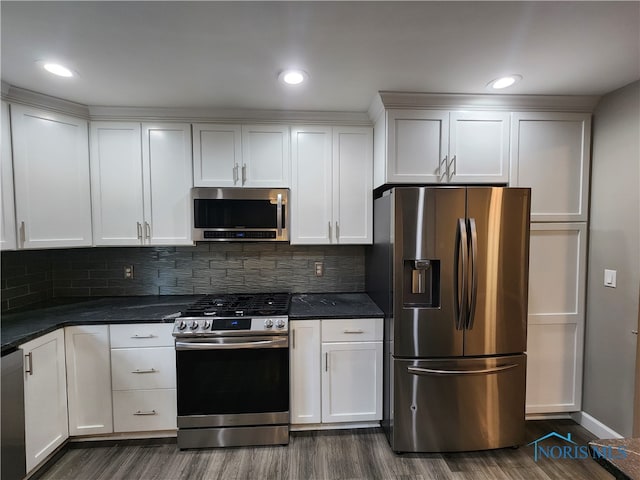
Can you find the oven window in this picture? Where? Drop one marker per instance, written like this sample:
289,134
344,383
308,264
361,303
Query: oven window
212,213
215,382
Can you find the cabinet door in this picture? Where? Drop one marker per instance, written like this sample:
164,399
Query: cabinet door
417,146
557,277
311,192
166,163
116,183
45,396
8,227
265,156
351,381
51,171
353,185
550,152
88,379
305,371
478,147
217,155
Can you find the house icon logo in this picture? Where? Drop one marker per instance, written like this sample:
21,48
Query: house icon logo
547,450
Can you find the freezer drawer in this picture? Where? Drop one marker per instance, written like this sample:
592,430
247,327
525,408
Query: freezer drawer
450,405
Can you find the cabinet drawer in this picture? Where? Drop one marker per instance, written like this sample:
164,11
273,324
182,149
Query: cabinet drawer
352,330
143,368
144,410
141,335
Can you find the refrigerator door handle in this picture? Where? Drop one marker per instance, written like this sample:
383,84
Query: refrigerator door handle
473,293
460,297
435,371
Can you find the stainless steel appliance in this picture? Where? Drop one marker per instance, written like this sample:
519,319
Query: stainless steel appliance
232,361
449,267
240,214
14,463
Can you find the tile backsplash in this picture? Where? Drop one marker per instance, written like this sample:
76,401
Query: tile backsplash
32,276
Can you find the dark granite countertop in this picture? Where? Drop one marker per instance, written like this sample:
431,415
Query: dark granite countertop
333,305
18,328
621,456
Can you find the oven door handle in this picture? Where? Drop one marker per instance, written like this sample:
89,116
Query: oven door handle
233,343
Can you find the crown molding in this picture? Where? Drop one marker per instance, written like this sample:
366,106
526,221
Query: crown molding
40,100
436,101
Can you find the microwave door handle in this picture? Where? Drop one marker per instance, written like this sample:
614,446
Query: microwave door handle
279,215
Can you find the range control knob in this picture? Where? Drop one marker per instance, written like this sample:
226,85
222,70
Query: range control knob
194,325
206,324
182,325
268,323
280,323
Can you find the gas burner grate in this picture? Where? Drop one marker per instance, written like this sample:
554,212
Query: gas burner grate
238,305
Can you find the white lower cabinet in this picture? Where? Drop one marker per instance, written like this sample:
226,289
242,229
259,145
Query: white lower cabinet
143,377
336,371
45,396
88,379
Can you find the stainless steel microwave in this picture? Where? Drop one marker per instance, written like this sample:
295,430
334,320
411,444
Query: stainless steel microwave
240,214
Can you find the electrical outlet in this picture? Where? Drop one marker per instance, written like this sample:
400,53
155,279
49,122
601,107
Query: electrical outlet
319,266
128,272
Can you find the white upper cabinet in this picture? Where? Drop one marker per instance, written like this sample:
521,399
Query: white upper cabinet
331,185
217,155
167,177
435,146
141,180
241,155
51,173
116,183
265,156
550,152
8,219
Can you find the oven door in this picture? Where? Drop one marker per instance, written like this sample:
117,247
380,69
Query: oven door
232,381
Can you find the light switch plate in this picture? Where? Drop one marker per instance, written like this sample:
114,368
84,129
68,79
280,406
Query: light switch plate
610,278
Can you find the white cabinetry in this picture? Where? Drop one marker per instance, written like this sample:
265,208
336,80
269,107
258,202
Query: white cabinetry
141,180
51,172
434,146
241,155
143,377
550,152
45,396
88,379
557,278
336,371
8,219
331,185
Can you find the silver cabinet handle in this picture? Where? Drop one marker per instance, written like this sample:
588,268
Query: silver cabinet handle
150,370
293,338
23,233
139,226
326,361
235,174
29,369
148,412
151,335
444,173
244,173
147,230
329,223
337,231
453,166
635,332
355,330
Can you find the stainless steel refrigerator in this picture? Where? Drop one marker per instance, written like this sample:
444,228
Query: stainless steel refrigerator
449,268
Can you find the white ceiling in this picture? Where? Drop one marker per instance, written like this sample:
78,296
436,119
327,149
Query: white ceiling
227,54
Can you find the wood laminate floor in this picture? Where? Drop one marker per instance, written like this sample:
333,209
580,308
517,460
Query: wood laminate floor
337,454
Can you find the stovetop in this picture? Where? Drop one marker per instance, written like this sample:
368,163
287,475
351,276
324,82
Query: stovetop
239,305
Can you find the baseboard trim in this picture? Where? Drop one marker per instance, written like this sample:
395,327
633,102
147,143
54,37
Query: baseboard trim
594,425
547,416
332,426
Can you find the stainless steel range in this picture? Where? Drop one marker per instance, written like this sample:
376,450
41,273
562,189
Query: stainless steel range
232,361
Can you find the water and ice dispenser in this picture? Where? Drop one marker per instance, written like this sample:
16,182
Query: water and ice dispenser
421,283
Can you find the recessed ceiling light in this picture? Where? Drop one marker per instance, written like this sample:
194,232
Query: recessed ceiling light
504,82
57,69
293,77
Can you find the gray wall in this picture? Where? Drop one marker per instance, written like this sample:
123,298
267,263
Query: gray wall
32,276
614,243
